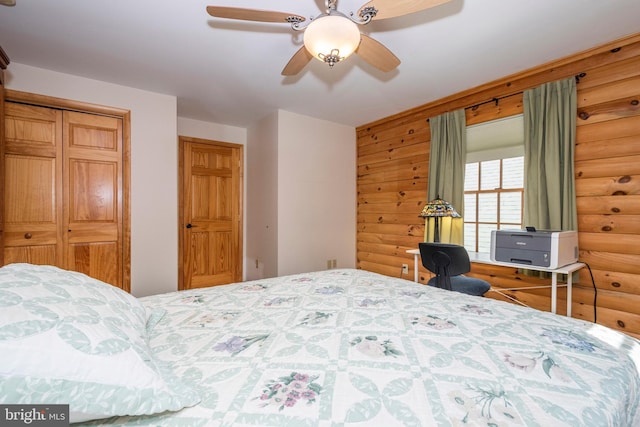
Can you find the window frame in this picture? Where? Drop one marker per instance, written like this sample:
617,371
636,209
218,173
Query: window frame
498,191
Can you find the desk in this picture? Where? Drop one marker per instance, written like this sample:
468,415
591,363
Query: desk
484,258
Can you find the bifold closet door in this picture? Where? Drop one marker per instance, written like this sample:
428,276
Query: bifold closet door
63,190
92,211
33,185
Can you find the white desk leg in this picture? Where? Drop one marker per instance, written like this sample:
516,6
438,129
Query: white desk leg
554,291
415,267
569,285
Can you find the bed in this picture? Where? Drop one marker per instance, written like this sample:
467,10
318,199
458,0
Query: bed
331,348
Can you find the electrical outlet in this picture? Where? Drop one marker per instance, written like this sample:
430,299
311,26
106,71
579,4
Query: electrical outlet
405,268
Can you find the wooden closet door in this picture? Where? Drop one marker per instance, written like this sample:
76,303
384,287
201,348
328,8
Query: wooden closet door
33,185
4,61
93,197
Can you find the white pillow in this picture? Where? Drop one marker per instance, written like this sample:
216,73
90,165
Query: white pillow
66,338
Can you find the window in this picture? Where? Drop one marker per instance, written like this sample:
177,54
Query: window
493,199
494,180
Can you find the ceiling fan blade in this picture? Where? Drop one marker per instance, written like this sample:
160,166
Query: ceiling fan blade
376,54
392,8
297,62
252,14
8,2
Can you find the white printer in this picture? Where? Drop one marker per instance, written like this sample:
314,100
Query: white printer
541,248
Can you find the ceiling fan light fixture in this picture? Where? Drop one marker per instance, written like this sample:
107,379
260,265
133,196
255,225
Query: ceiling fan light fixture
331,38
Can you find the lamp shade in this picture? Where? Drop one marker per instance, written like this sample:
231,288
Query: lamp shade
438,207
331,38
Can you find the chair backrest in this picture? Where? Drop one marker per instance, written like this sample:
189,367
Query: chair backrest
444,260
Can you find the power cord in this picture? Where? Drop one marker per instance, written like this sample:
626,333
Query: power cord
595,294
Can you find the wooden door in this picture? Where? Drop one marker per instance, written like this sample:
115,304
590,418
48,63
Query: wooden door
63,198
33,185
211,213
93,200
4,61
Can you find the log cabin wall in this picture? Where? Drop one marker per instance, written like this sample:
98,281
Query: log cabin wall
393,162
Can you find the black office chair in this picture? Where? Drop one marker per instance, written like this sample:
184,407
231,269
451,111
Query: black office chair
449,262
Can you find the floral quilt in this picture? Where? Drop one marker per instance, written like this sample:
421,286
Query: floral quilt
350,347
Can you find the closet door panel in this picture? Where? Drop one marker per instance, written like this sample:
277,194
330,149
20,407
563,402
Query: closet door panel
93,202
93,136
96,259
33,185
93,193
36,254
32,130
93,230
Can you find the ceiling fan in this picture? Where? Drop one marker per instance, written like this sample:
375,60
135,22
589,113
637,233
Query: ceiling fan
332,36
8,2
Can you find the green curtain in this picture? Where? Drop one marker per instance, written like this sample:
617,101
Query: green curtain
447,159
549,142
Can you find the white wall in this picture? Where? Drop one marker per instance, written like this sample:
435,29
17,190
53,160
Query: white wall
262,199
301,195
316,194
213,131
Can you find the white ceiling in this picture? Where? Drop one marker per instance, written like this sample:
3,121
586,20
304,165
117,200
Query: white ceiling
228,71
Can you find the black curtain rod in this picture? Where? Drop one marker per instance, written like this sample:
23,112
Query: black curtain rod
496,100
